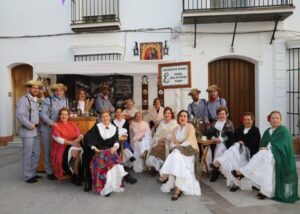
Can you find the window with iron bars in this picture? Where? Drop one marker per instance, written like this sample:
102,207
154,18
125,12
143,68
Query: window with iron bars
293,91
98,57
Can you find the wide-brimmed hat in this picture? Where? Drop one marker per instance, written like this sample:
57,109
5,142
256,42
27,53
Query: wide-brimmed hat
213,87
58,86
194,91
34,83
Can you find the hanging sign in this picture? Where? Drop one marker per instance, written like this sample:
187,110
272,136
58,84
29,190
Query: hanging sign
175,75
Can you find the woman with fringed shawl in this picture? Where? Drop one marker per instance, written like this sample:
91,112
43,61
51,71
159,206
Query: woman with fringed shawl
180,171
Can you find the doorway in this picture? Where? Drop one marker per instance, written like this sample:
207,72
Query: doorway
20,75
236,78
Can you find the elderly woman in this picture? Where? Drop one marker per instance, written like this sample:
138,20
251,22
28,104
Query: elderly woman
221,131
161,140
178,171
106,170
130,110
156,113
247,139
273,168
140,139
66,150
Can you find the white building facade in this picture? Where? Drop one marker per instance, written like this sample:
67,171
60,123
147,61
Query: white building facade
47,36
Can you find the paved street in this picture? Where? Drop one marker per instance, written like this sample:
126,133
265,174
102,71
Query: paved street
144,197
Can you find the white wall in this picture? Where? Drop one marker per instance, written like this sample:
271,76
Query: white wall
33,17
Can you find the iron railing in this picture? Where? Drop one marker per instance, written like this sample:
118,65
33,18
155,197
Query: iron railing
294,91
190,5
94,11
98,57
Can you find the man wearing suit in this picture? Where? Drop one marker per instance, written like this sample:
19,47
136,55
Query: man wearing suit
49,116
27,112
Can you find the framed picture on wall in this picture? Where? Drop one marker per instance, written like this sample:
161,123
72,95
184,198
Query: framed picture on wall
151,51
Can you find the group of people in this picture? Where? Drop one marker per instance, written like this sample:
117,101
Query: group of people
165,145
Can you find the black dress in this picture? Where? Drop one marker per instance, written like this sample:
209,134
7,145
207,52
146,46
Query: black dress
93,138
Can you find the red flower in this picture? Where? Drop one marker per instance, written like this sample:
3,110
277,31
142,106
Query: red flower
269,117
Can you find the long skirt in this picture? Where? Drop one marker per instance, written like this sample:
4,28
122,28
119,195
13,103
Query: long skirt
139,149
261,171
107,173
181,173
234,158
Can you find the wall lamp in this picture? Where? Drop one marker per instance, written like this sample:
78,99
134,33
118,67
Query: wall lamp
166,48
136,49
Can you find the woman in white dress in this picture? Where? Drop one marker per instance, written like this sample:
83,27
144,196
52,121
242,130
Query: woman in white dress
221,131
273,168
140,140
156,113
180,171
161,140
247,139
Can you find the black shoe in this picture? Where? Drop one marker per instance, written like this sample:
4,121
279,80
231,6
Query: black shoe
37,177
71,162
132,159
31,180
254,188
129,179
234,173
175,196
76,180
87,186
51,177
214,175
233,188
107,195
261,196
213,166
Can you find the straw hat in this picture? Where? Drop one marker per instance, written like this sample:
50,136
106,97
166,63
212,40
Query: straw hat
194,91
213,87
58,86
34,83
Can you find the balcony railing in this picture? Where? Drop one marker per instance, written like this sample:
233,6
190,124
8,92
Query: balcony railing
94,14
216,11
189,5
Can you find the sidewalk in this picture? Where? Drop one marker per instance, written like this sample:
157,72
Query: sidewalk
144,197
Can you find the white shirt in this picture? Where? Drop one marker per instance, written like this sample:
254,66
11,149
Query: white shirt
120,124
107,132
246,130
81,105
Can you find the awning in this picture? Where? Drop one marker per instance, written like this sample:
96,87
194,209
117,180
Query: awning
98,68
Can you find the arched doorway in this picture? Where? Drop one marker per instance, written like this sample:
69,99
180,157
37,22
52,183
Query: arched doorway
20,75
236,78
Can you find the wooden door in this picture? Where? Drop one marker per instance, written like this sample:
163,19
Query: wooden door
236,78
20,75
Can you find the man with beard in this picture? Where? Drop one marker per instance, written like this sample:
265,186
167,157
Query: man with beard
27,113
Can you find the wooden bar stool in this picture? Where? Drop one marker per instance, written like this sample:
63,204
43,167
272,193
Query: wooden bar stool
205,145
